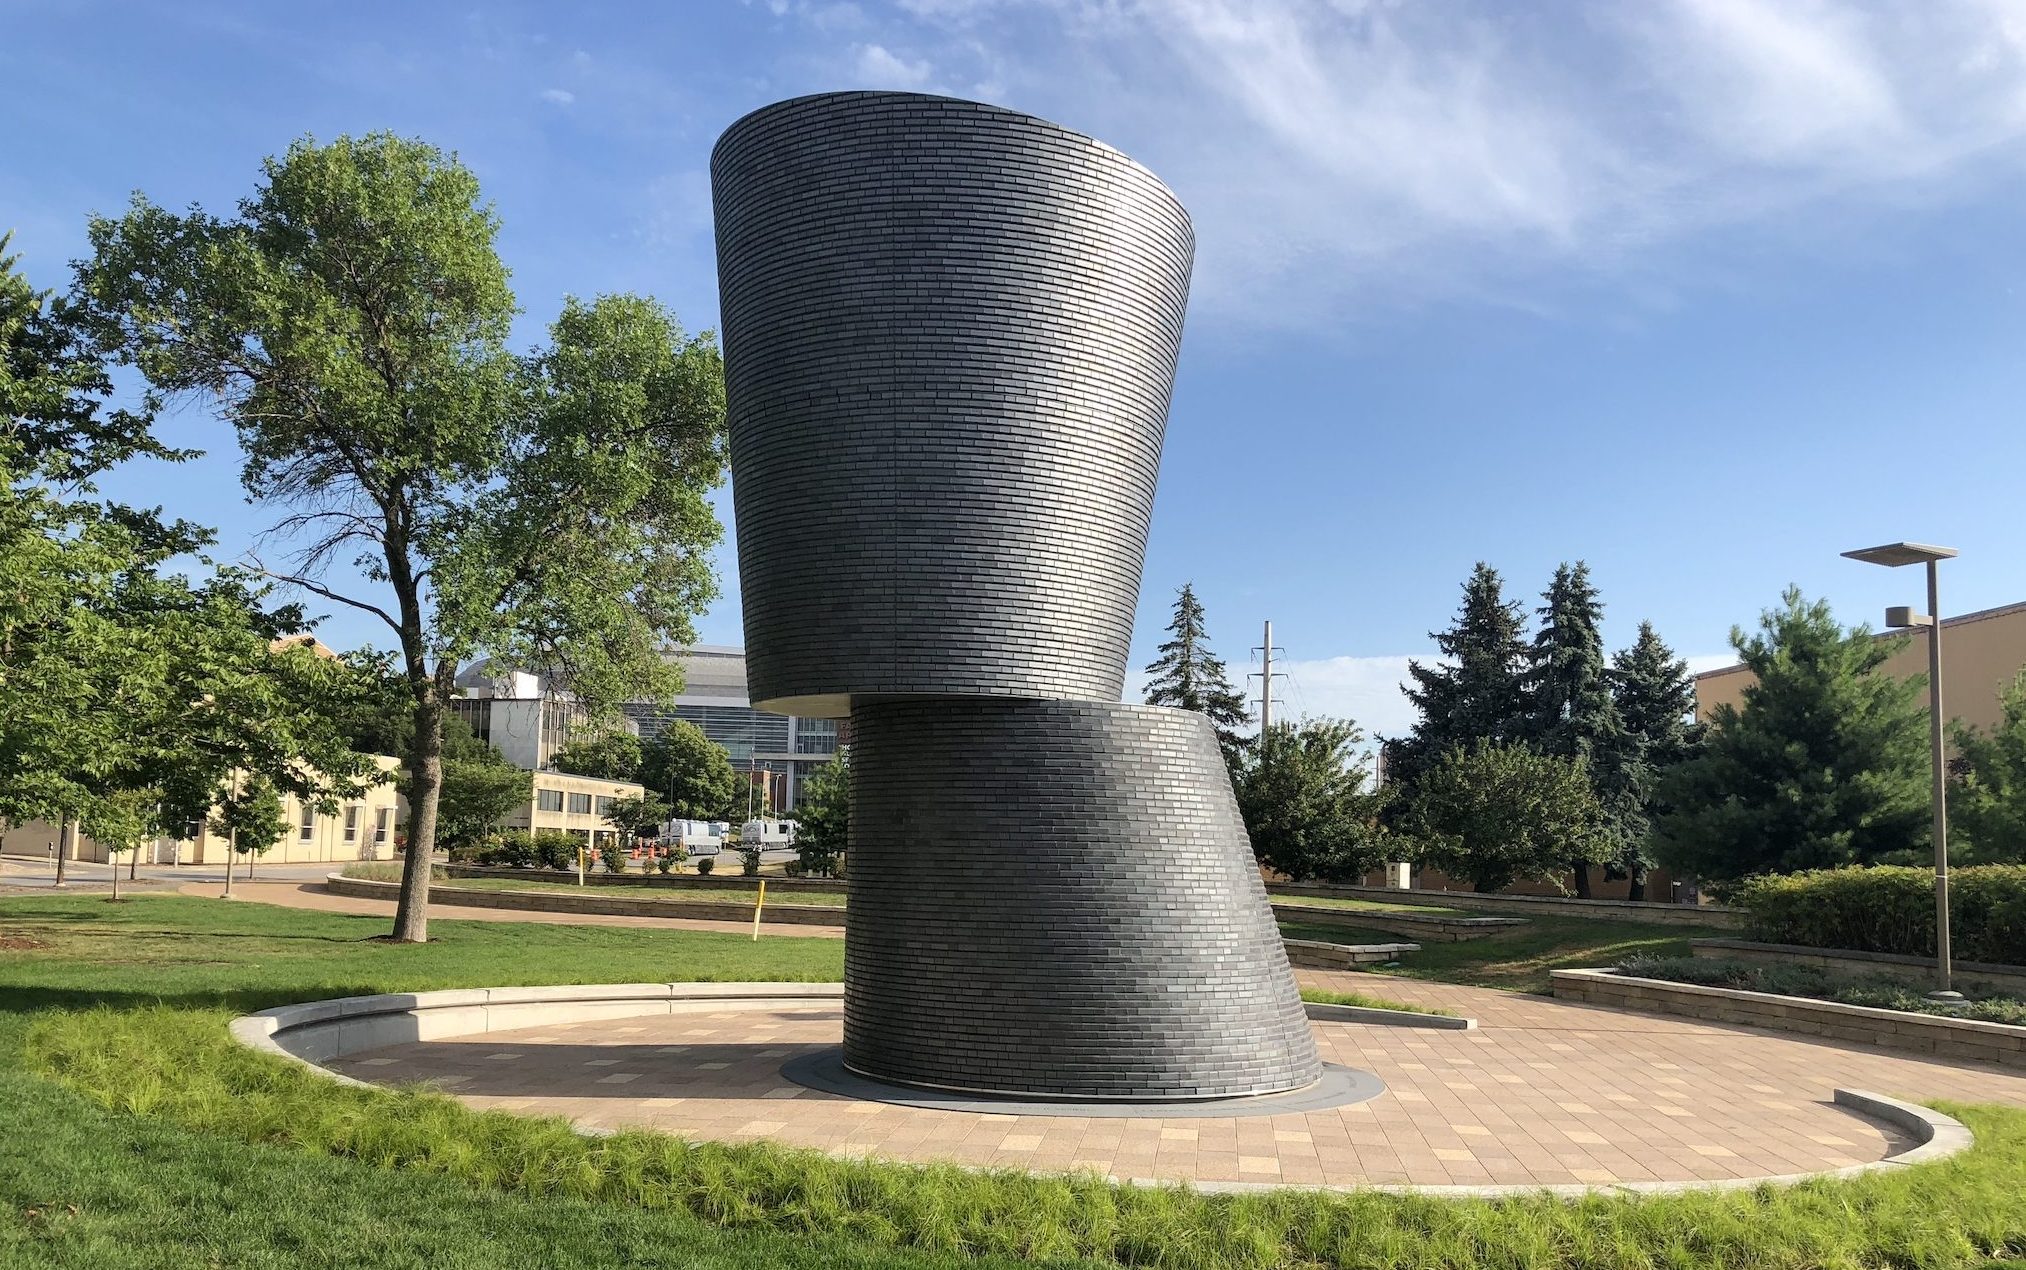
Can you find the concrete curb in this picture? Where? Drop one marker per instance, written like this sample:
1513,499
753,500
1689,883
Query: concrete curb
1934,1035
1328,1012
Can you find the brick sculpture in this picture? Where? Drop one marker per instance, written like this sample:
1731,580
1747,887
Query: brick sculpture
950,338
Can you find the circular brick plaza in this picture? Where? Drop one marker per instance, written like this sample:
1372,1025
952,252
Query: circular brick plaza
1540,1094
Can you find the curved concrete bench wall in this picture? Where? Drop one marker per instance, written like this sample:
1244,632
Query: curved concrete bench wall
317,1031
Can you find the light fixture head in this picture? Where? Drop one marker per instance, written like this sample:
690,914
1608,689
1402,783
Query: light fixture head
1900,617
1894,554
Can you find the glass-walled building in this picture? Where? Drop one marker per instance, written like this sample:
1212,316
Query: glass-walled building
787,749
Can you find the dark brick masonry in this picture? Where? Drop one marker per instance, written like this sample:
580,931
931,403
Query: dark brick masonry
950,337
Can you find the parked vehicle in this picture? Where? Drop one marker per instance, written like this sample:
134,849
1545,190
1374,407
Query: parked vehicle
698,838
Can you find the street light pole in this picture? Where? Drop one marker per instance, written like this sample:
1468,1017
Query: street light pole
1892,555
1944,962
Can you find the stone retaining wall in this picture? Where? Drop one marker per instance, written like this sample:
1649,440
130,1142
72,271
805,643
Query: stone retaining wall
1523,905
1934,1035
598,905
1915,972
1314,954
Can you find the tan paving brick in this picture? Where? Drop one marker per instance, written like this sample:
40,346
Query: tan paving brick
1543,1093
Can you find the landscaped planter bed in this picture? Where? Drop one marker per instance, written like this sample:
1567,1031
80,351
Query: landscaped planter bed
1917,972
1314,954
1966,1040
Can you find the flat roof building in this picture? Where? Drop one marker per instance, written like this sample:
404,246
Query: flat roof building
1981,652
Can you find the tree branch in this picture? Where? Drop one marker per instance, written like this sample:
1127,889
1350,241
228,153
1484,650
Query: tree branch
318,588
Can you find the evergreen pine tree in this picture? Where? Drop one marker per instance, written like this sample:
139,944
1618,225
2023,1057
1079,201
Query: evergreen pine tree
1187,676
1573,715
1825,764
1478,693
1655,698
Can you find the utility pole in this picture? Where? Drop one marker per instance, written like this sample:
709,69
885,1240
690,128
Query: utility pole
1265,675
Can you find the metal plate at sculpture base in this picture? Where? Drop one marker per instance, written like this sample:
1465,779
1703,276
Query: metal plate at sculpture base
824,1070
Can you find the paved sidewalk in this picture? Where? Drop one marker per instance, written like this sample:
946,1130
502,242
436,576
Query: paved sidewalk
1543,1093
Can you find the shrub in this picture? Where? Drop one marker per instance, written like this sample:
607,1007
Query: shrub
665,865
556,849
613,853
514,848
1892,910
703,866
749,861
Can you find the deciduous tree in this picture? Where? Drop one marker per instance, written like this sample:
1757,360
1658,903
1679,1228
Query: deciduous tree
478,787
638,815
129,695
1500,811
1307,807
350,321
693,772
609,756
823,816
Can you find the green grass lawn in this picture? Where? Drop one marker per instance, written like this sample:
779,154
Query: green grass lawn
138,1135
1520,957
1371,906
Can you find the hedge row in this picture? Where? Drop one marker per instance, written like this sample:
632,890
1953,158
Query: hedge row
519,849
1892,910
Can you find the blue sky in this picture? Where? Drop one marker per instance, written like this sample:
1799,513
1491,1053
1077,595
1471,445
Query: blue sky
1701,291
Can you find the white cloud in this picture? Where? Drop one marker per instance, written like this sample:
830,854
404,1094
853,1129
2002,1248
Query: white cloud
1342,158
558,96
878,68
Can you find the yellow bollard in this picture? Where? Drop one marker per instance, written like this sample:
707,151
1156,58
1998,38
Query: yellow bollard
759,904
580,866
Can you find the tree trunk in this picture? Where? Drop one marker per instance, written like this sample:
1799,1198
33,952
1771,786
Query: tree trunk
63,841
425,789
1582,880
113,857
1636,890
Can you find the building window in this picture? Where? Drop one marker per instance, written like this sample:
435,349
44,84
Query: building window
580,804
307,826
816,736
383,824
742,730
604,804
352,823
549,799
